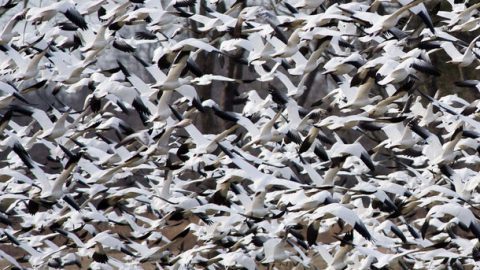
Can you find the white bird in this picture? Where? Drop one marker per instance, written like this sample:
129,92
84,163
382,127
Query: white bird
347,215
460,213
308,4
462,60
399,136
173,79
260,180
358,97
383,23
27,69
435,151
95,42
291,47
275,250
340,149
7,33
36,15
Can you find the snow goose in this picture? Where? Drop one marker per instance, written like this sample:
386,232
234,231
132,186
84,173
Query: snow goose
380,23
257,208
344,213
302,67
310,140
161,146
339,259
462,215
173,79
275,250
54,191
237,259
67,8
101,242
406,69
358,97
203,144
468,26
261,181
421,11
292,90
388,226
208,23
158,253
260,52
50,130
334,122
95,42
435,151
7,33
308,4
291,47
462,60
36,258
27,69
113,10
266,134
394,260
191,44
11,93
70,69
87,8
340,149
343,65
399,136
427,114
460,13
474,84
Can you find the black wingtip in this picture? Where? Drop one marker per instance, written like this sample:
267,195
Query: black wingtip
312,234
75,17
475,228
176,113
71,202
306,143
23,154
67,152
100,257
424,228
184,3
426,68
413,232
226,151
427,20
12,238
123,46
277,96
467,83
290,8
123,69
399,233
227,116
182,234
368,161
422,132
145,35
73,160
319,150
362,230
128,252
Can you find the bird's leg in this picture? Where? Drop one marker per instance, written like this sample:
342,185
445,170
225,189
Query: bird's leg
460,71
